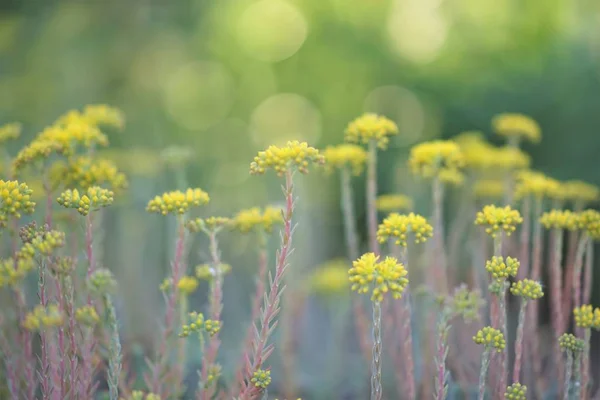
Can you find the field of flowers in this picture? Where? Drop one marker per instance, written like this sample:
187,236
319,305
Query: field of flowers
445,305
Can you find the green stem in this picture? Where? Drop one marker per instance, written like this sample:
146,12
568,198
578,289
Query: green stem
114,362
376,387
372,197
568,371
485,363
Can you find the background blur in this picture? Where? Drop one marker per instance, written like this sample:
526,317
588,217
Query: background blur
226,78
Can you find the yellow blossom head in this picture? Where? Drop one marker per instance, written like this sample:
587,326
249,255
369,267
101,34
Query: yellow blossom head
491,338
399,226
497,219
208,225
208,272
368,274
430,159
198,324
501,268
43,242
85,172
12,273
569,342
466,303
10,132
528,289
516,391
92,199
393,202
177,202
584,316
187,285
43,317
295,155
581,192
345,155
102,114
87,316
589,222
559,219
261,378
34,153
255,218
15,198
371,127
517,125
101,282
536,184
331,278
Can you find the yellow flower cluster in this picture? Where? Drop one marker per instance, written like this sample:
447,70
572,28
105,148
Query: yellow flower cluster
177,202
139,395
214,372
199,325
451,176
368,274
429,159
400,225
294,154
345,155
43,242
516,391
11,274
92,199
102,114
15,198
528,289
501,268
210,224
207,272
517,125
261,378
488,189
466,303
589,221
62,266
497,219
578,191
393,202
538,185
331,278
9,132
559,219
36,151
587,317
43,317
101,281
187,285
491,338
255,218
371,127
85,172
569,342
87,316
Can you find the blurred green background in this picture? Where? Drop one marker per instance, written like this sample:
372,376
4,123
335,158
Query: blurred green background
226,78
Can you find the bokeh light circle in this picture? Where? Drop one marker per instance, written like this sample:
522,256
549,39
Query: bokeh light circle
199,94
271,30
283,117
402,106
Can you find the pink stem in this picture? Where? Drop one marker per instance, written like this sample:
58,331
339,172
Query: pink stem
525,238
439,270
216,306
589,272
89,247
45,366
372,198
61,344
271,308
576,284
532,321
72,343
441,367
556,289
519,342
26,342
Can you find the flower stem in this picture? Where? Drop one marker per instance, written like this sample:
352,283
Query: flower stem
73,348
407,334
568,371
485,363
439,273
372,197
589,272
525,238
376,388
270,308
576,284
532,321
114,360
556,289
585,363
519,341
441,389
44,343
577,376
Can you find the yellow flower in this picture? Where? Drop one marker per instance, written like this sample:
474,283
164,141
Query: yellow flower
255,218
102,114
345,155
393,202
207,272
559,219
371,127
536,184
43,317
589,222
466,303
295,154
73,130
430,158
15,198
569,342
84,172
579,191
87,316
527,289
491,338
498,219
488,189
177,202
369,275
261,378
200,325
36,151
451,176
501,268
92,199
187,285
9,132
400,225
516,391
43,242
12,274
517,125
584,316
210,224
101,281
331,278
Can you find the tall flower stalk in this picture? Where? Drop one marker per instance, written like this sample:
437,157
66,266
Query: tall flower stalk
492,340
572,347
586,318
